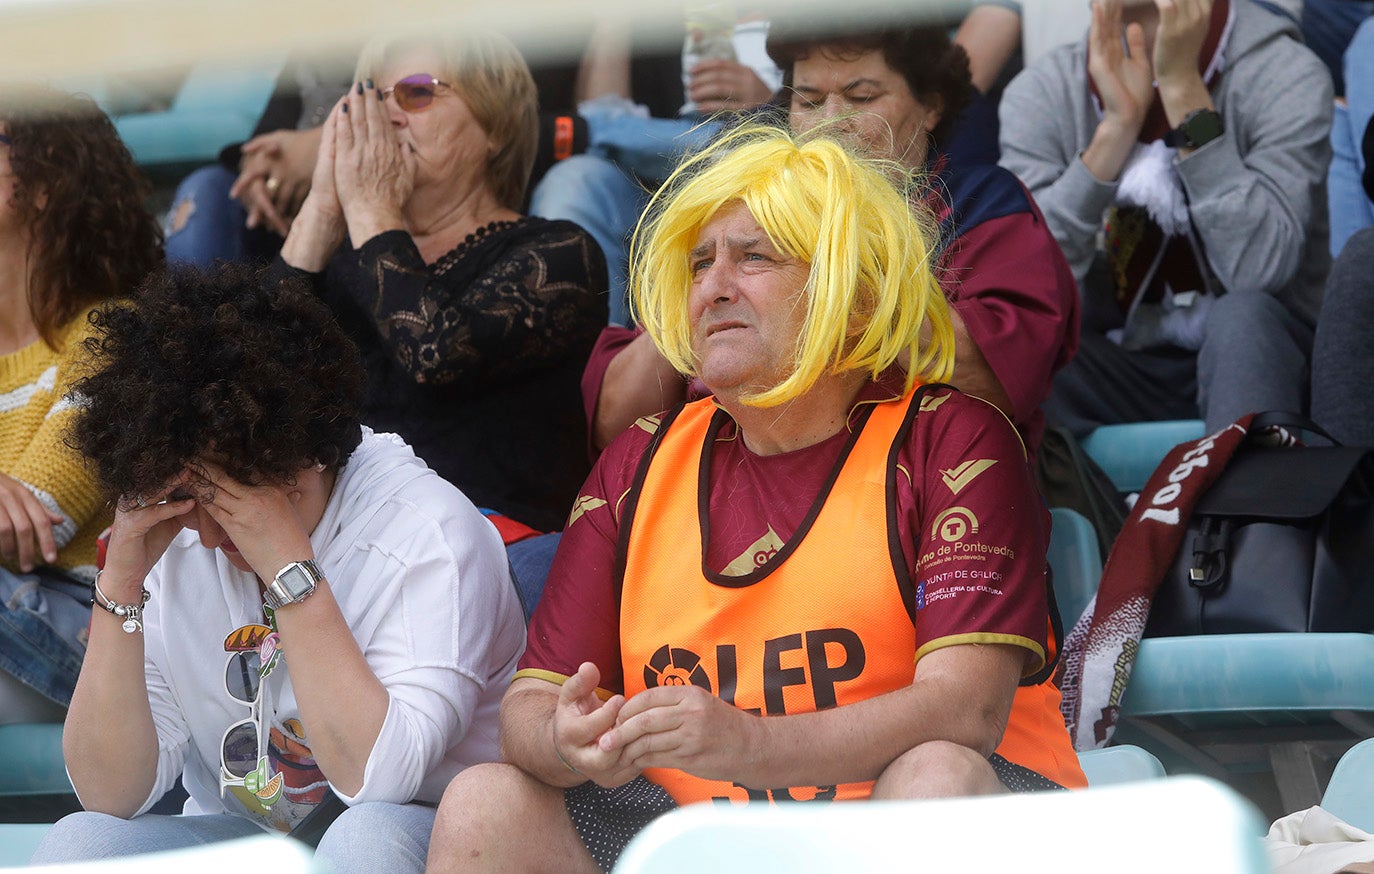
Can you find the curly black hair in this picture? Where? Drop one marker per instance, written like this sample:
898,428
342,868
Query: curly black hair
935,69
92,238
225,362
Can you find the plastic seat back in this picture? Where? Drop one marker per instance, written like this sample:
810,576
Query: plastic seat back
1129,453
1147,826
1076,561
1350,794
1119,764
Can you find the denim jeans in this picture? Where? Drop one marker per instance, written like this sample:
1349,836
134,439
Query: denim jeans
1348,203
529,563
605,190
206,225
43,622
369,837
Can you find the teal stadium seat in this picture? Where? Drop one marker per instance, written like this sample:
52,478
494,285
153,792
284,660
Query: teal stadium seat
18,841
1130,453
1350,794
219,103
1149,826
1124,763
31,760
1076,561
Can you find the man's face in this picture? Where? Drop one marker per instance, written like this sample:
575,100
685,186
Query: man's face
746,305
880,114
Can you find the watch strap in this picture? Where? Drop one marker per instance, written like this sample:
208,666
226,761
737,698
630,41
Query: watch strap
1199,128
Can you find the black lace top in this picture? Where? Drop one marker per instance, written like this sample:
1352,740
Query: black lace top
476,359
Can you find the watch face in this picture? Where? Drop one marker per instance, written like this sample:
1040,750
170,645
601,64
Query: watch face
296,581
293,583
1202,127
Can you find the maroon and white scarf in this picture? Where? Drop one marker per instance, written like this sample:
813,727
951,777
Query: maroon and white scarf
1100,650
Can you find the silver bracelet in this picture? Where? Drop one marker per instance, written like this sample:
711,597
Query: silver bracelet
132,614
566,763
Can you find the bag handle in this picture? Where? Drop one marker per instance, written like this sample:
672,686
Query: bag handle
1282,419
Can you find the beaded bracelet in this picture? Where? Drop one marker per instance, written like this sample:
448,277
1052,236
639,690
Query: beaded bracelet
132,614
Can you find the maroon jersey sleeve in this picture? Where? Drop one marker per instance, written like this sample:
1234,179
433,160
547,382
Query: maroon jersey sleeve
578,617
976,529
609,342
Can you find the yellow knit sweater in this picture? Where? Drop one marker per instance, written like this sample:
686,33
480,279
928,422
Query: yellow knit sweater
34,416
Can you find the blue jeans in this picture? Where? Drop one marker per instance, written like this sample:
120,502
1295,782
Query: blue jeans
606,202
1348,203
605,190
366,838
529,563
206,225
43,623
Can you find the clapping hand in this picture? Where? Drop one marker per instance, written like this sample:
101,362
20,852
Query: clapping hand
1123,75
1183,28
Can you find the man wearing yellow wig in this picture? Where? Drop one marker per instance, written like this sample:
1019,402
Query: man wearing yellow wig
825,582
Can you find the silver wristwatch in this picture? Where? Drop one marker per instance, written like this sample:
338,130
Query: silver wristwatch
293,584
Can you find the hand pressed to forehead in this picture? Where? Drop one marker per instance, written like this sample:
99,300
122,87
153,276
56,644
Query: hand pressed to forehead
205,480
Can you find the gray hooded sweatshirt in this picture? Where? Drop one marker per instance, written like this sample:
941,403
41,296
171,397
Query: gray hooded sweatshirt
1256,194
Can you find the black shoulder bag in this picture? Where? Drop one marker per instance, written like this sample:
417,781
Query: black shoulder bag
1282,541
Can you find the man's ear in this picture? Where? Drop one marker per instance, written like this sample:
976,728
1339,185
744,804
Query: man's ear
935,111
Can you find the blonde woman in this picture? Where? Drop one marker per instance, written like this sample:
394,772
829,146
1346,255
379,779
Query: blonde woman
474,321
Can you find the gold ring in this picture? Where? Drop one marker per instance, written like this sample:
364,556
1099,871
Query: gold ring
272,184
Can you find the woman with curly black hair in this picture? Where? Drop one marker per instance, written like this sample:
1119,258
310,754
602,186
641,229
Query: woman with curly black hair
278,615
73,232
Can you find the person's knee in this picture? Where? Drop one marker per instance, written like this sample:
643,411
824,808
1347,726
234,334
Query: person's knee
485,820
206,189
937,769
482,801
378,836
1358,251
80,837
1252,334
1237,316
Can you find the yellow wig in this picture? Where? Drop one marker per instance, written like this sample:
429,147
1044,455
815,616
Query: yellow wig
871,288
